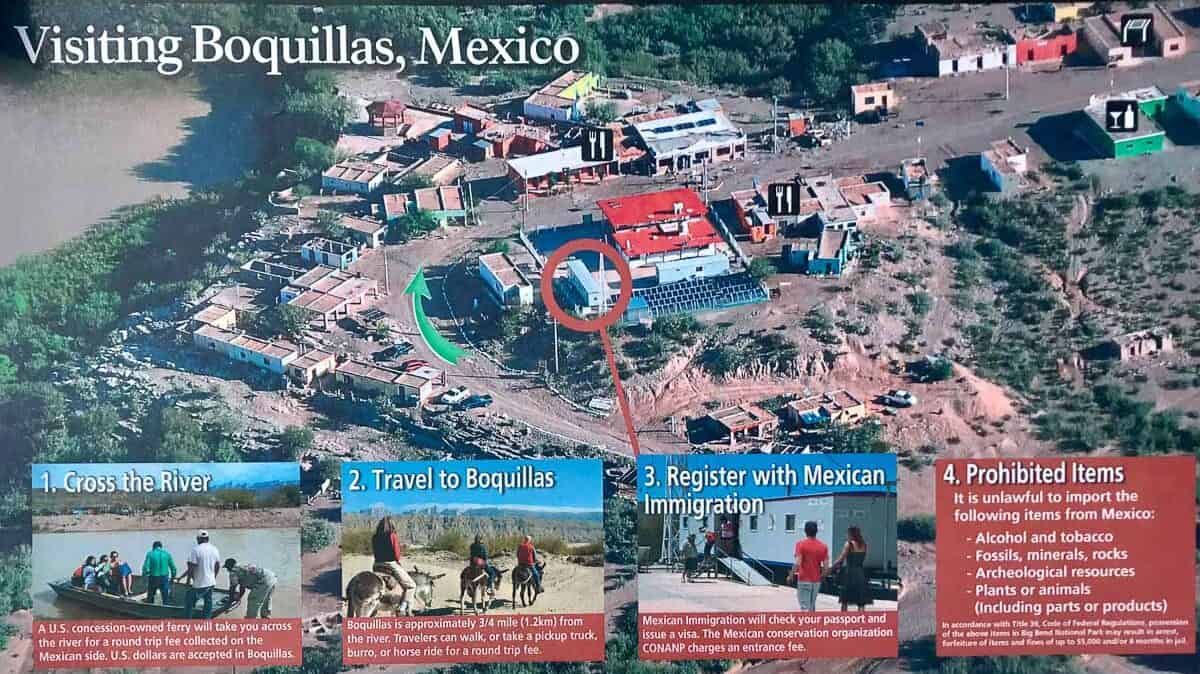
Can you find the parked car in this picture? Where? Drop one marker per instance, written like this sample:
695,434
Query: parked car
413,364
475,401
456,395
394,351
899,398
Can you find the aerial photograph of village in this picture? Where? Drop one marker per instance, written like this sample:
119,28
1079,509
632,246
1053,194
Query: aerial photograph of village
937,230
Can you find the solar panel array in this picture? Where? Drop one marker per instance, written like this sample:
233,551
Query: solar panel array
695,295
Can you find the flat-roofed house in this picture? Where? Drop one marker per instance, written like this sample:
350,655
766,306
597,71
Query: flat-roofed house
446,203
1187,100
222,317
271,356
678,142
558,170
660,226
368,232
832,407
507,285
329,294
744,422
413,387
967,50
562,98
356,177
310,366
269,273
1005,165
750,205
329,253
872,97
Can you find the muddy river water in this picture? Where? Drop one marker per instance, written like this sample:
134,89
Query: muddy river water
55,556
78,146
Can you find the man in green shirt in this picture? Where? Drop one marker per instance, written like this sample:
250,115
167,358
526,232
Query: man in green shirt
258,580
158,569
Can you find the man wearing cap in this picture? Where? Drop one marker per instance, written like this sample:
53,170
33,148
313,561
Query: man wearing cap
258,580
203,566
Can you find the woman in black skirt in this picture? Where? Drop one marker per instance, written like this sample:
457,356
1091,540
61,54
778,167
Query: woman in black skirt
854,577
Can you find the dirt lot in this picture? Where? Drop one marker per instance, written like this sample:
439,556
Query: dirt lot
570,587
662,591
183,517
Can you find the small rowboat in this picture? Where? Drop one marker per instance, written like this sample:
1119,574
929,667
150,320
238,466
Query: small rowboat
135,605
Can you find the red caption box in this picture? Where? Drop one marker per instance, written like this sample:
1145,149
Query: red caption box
762,636
59,644
1066,556
473,638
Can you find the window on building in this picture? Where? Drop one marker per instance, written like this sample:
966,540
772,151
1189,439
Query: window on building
683,522
789,522
770,522
869,100
754,523
265,361
1173,47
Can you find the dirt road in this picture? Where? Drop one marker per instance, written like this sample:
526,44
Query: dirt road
570,587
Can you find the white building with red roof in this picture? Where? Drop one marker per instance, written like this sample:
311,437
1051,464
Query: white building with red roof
660,226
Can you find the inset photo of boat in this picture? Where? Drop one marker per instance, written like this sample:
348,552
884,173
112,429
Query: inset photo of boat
174,541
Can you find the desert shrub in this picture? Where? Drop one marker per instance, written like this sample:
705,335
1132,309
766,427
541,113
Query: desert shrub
917,529
316,534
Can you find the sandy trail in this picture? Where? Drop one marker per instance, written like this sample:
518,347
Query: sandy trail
570,587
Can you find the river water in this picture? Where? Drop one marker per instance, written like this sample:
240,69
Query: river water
55,556
77,146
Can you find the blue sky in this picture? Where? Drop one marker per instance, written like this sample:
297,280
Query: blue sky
578,487
223,474
752,462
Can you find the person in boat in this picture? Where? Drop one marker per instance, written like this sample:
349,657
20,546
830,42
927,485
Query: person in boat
104,575
203,567
159,569
122,574
259,581
479,557
85,575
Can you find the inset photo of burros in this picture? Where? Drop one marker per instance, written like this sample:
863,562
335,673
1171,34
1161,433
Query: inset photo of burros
484,537
217,541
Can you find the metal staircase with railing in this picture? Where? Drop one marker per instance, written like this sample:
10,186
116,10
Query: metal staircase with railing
745,571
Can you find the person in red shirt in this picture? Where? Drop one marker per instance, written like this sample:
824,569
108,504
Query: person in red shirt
812,559
527,556
386,548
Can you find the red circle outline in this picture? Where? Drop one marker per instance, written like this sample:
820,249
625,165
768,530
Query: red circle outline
586,324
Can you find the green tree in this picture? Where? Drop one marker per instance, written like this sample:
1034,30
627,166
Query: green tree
831,69
294,441
316,534
330,224
312,156
761,267
412,225
600,112
286,320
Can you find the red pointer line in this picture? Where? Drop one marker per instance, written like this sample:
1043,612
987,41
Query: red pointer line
621,399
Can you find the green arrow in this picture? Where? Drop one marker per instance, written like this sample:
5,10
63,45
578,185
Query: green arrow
439,345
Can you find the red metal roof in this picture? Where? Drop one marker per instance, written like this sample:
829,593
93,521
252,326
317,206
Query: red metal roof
640,210
637,222
390,107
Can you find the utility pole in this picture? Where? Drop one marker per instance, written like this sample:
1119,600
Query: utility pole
703,185
1006,84
387,286
555,346
774,125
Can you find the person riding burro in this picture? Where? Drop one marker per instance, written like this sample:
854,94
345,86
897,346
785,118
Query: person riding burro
479,580
386,548
527,576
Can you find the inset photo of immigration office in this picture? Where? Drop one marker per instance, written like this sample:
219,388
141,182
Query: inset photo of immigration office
808,545
210,540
